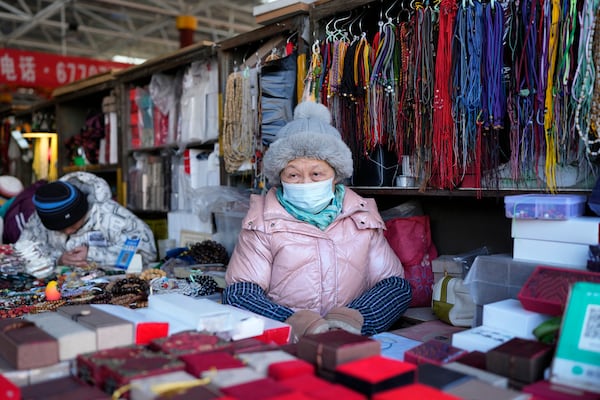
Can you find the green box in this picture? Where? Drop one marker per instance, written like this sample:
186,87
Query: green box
577,359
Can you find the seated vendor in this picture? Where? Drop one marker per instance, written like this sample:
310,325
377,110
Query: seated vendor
312,252
77,223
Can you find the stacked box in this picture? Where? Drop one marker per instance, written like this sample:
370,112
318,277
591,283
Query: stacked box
522,321
111,331
73,338
520,359
66,388
330,349
24,345
562,243
446,265
433,352
375,374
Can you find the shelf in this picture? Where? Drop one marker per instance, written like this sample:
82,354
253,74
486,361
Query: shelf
467,192
149,214
95,168
209,145
168,62
76,90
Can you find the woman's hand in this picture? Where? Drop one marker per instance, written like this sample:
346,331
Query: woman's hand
76,257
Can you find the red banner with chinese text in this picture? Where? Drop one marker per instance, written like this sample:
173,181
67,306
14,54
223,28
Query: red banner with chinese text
36,69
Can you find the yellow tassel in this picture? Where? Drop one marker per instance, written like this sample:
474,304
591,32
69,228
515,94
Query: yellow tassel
301,74
549,128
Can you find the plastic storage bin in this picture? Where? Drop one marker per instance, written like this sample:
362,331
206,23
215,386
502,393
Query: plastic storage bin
547,289
229,225
493,278
497,277
544,206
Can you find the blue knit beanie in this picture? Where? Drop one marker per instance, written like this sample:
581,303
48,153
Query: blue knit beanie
59,205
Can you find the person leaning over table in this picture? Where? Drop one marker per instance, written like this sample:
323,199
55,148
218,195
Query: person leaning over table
311,252
77,223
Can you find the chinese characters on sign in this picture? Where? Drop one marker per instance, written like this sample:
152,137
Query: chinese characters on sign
34,69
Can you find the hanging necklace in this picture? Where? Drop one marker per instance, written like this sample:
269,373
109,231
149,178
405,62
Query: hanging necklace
583,82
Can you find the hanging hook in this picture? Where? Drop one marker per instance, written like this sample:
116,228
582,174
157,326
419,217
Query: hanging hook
354,20
315,47
291,36
338,32
328,31
387,12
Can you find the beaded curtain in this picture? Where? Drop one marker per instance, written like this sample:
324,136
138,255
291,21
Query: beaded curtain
478,95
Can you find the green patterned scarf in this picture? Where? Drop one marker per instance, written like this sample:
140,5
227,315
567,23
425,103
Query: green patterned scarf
322,219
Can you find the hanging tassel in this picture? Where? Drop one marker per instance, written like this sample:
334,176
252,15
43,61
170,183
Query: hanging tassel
443,160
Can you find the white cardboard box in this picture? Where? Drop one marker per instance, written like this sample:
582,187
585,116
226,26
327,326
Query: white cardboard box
510,315
145,327
207,315
260,360
559,254
231,376
582,230
481,338
175,325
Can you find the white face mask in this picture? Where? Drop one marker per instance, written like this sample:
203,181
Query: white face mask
310,197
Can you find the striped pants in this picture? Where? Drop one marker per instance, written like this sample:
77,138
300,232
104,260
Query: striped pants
380,306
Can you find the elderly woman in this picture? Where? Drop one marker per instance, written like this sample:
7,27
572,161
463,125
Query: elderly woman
312,252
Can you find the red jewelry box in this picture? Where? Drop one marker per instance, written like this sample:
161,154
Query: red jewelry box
475,359
67,388
287,369
547,288
88,365
257,390
247,345
414,391
545,390
305,383
195,393
318,388
292,396
8,390
520,359
25,346
336,392
197,363
433,352
186,342
375,374
330,349
121,372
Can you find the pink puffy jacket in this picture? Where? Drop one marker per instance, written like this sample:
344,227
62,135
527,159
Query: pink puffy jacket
304,268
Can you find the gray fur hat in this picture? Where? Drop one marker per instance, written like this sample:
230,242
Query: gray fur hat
309,135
